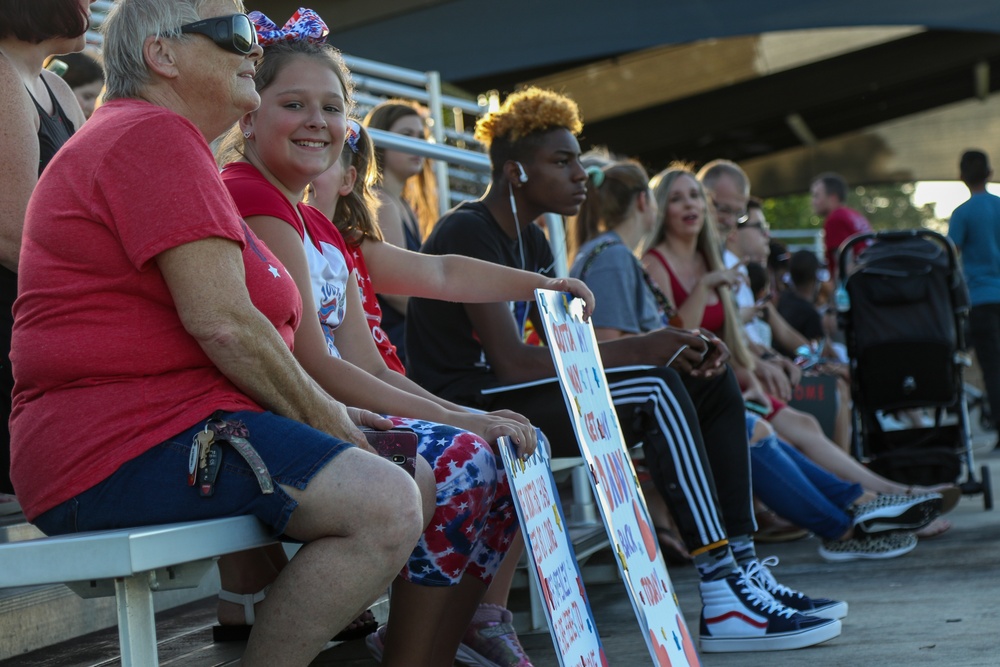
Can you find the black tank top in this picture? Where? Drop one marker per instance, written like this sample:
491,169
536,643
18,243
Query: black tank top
53,131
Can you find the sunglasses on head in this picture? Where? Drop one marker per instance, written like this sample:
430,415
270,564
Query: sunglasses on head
722,209
762,226
233,33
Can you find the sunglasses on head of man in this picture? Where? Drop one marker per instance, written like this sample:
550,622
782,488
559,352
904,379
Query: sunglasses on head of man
740,216
234,33
746,224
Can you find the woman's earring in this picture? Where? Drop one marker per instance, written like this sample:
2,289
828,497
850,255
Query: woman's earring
247,134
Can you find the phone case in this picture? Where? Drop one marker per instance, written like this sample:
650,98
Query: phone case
398,445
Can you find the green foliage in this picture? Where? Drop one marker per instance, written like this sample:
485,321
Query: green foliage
791,212
888,206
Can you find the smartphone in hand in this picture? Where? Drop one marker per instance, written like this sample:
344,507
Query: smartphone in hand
398,445
709,350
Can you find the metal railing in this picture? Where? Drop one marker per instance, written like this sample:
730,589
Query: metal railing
98,12
376,81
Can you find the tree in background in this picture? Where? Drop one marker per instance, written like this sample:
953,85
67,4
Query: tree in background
887,206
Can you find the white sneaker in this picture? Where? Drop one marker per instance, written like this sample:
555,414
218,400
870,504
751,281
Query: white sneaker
738,615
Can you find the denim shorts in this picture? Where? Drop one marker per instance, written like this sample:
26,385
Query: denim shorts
153,488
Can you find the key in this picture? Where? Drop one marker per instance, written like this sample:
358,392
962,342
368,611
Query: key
196,460
193,458
208,473
205,439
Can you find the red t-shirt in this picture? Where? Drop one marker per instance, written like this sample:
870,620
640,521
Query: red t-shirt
329,261
373,312
330,258
103,367
840,225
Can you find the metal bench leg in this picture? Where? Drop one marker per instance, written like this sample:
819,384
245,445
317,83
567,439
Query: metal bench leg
136,622
583,511
538,621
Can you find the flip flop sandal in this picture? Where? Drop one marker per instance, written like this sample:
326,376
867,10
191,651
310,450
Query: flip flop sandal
673,549
950,495
362,626
935,528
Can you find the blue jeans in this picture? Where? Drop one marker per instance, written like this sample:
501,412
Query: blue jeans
152,488
798,489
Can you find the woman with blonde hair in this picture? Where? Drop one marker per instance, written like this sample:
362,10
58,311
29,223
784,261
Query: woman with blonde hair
684,261
407,197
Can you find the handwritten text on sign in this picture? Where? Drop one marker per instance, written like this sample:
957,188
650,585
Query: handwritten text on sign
623,509
550,552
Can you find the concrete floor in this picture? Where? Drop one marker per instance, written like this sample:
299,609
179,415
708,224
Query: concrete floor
938,605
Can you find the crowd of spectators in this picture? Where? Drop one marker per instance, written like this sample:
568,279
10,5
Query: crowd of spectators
201,334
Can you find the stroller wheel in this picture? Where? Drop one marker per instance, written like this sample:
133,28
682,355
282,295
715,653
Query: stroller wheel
987,485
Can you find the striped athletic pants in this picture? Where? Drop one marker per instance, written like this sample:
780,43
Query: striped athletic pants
694,436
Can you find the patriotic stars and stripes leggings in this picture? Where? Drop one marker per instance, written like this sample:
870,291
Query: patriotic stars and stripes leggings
474,521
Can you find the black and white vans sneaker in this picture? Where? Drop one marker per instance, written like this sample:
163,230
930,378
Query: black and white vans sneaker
738,615
760,572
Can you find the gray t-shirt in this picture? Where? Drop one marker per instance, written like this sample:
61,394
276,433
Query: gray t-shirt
616,278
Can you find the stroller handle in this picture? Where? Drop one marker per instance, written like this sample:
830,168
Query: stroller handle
956,281
844,251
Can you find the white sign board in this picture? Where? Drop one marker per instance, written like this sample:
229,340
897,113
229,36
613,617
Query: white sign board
616,487
551,559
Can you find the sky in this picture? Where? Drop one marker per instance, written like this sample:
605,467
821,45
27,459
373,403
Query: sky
946,195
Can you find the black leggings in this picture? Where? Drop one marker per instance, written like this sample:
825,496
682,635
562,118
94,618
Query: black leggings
706,487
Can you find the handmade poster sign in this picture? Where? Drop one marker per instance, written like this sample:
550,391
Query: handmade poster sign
551,559
616,487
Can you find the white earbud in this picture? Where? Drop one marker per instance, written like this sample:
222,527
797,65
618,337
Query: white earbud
523,177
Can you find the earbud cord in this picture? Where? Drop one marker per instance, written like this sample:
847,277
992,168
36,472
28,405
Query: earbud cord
517,224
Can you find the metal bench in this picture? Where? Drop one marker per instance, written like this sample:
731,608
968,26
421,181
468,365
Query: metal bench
130,564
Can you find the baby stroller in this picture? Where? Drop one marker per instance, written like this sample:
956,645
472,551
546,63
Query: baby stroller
902,302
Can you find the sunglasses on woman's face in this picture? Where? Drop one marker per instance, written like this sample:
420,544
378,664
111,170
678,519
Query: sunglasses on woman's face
233,33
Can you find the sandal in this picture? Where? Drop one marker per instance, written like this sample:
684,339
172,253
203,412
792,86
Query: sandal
935,528
359,628
673,549
950,494
772,528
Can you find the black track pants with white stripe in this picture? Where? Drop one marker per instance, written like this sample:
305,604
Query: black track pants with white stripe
694,436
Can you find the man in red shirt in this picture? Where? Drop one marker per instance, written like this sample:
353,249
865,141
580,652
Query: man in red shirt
829,192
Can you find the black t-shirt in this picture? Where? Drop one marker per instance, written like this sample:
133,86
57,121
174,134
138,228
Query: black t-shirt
801,315
444,354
